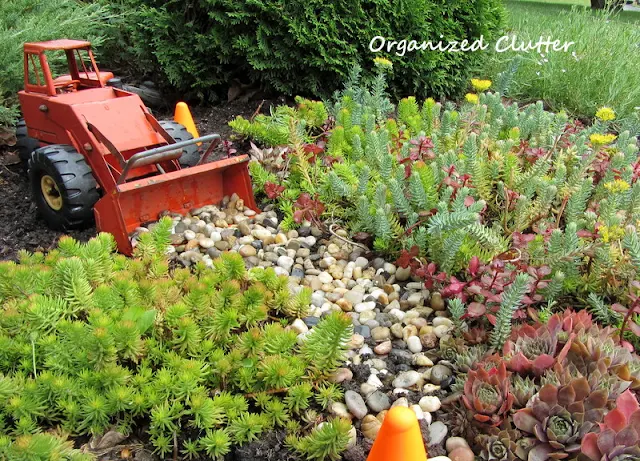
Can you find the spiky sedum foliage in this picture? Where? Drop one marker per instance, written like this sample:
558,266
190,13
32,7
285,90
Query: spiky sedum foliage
489,180
90,339
39,447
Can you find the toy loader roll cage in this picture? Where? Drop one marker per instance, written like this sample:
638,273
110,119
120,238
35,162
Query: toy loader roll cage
78,53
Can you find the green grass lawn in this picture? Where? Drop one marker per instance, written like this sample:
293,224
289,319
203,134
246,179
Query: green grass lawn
553,7
600,69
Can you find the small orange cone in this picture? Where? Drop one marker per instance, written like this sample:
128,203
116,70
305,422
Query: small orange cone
399,438
184,118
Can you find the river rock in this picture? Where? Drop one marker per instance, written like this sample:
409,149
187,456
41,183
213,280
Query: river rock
378,401
380,333
383,348
437,432
247,250
462,454
439,373
456,442
285,262
430,403
355,404
406,379
370,427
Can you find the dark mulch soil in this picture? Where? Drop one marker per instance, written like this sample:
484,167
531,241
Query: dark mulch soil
21,228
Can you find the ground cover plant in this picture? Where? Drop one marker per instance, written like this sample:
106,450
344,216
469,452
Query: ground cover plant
31,20
523,220
533,76
191,361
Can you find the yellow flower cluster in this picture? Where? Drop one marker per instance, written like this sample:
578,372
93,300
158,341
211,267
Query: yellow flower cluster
605,114
472,98
602,139
612,233
619,185
480,85
383,63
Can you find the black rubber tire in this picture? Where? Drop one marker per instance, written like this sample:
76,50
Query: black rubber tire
24,143
190,154
74,180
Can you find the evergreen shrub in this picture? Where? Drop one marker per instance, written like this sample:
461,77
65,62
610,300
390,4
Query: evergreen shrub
295,47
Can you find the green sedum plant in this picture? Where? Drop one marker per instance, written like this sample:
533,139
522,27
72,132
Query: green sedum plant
471,195
90,340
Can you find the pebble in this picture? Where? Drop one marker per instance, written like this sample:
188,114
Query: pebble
402,273
437,432
430,403
325,277
437,303
415,299
361,262
439,373
406,379
339,409
366,306
456,442
370,427
380,333
374,381
401,402
247,250
418,411
414,344
355,404
462,454
299,326
383,348
378,401
285,262
354,296
438,321
439,458
422,360
341,375
430,388
441,330
353,438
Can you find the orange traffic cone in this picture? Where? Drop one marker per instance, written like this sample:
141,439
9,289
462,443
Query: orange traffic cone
184,118
399,438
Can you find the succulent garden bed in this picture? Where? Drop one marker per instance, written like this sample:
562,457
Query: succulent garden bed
477,263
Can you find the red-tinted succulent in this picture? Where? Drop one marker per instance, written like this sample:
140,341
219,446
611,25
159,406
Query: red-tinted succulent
532,350
570,321
273,190
228,148
312,151
499,445
488,394
560,417
307,209
619,436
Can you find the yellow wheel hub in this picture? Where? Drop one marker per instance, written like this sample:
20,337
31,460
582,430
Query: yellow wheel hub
50,192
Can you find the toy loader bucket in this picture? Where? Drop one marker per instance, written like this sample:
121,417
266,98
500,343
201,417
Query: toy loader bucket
140,201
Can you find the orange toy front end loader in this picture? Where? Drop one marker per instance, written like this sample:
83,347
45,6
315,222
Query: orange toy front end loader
94,149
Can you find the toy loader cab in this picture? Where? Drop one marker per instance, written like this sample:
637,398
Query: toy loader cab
94,149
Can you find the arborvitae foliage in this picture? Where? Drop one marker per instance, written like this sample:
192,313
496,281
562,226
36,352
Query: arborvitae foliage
90,339
295,47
